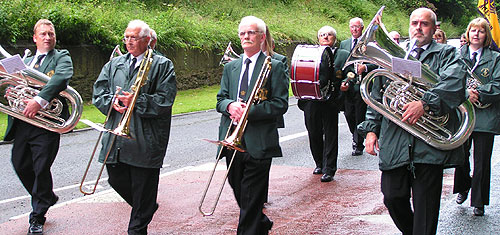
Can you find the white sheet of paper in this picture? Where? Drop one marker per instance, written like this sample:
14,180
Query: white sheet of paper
409,67
13,64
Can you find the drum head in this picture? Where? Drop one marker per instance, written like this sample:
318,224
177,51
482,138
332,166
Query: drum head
312,71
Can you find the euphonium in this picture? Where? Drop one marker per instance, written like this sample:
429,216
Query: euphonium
376,47
234,141
26,84
229,55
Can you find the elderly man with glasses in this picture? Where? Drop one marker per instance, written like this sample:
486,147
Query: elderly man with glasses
322,116
249,173
134,164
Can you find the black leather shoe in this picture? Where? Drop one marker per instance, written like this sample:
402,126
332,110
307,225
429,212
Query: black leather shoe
317,171
461,197
35,228
326,178
478,211
357,152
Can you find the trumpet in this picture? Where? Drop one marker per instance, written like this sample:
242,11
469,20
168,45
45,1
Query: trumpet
234,141
122,128
26,84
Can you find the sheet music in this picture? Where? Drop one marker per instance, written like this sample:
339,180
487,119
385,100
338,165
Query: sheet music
13,64
408,67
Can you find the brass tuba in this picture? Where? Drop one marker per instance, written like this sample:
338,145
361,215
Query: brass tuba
229,55
376,47
26,84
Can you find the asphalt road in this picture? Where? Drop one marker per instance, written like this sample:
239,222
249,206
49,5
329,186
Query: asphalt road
186,148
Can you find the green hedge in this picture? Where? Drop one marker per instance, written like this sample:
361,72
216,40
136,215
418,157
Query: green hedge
200,24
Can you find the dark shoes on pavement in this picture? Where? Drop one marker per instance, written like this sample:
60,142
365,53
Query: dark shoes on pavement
462,196
326,178
317,171
35,227
357,152
478,211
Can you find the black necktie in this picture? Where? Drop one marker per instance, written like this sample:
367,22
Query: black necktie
419,51
354,44
38,61
474,60
244,80
132,67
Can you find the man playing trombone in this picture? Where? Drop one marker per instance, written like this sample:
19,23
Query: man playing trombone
250,169
134,163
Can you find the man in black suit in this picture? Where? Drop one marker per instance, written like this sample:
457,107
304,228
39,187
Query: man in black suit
35,148
249,173
322,116
355,107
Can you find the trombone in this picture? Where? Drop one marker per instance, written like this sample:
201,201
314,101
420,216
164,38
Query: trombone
123,126
234,141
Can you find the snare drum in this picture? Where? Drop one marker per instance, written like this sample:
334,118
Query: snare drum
308,62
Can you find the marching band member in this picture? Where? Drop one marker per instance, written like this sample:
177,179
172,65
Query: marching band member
249,173
35,148
485,64
322,117
354,106
134,164
410,167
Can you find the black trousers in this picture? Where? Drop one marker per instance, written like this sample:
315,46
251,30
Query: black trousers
479,183
425,190
139,188
33,153
249,179
322,123
355,111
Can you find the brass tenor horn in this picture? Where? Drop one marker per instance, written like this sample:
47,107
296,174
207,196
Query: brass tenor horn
473,82
234,141
229,55
123,126
376,47
26,84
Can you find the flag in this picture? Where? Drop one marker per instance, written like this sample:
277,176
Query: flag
487,9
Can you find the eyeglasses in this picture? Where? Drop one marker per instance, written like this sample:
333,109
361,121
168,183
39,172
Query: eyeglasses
322,35
355,26
131,38
249,32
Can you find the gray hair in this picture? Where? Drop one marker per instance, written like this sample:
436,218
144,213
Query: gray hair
248,20
433,15
145,29
153,34
328,29
357,19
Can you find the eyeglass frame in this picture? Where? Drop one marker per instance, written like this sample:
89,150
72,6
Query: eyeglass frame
132,39
249,32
